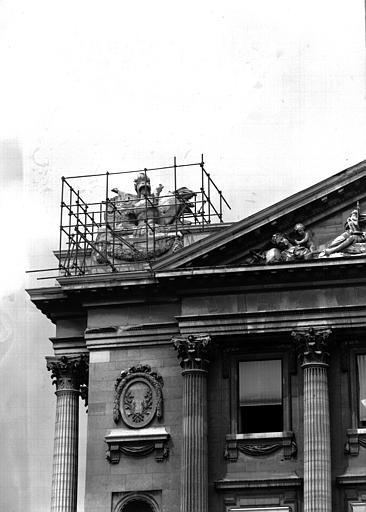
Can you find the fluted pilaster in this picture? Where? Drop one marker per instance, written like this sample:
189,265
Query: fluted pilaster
193,353
317,456
70,376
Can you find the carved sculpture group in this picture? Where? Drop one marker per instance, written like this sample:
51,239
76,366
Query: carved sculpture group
137,226
301,247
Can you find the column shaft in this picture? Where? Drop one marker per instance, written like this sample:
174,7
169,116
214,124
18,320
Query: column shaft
194,484
70,374
65,457
194,351
317,462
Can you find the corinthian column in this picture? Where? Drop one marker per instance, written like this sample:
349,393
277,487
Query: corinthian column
193,355
313,356
69,374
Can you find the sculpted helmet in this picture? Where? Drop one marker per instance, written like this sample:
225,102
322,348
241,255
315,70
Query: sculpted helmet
299,227
142,181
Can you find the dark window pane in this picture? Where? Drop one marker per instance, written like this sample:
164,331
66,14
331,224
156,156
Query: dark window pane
361,363
264,418
260,396
137,506
260,382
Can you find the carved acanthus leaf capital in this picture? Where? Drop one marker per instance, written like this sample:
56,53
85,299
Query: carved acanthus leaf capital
312,345
193,351
70,373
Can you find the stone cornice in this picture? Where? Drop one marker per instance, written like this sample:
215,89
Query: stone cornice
244,269
133,336
284,320
126,280
68,345
350,479
265,481
114,279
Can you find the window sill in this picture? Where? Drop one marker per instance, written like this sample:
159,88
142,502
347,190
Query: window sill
356,437
260,444
137,443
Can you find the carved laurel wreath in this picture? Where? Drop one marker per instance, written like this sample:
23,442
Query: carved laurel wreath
133,416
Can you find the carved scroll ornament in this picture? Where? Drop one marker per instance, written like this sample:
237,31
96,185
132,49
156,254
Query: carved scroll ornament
138,396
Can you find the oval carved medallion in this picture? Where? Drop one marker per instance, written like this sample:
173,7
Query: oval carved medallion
138,396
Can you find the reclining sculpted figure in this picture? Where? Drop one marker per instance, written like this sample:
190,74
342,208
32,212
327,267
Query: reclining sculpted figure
285,251
351,241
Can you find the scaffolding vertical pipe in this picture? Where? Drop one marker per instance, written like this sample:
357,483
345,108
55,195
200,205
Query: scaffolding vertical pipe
195,212
113,230
175,196
81,230
146,218
209,197
106,214
85,235
77,233
202,194
61,215
92,235
69,248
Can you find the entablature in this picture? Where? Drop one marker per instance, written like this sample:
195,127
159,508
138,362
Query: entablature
74,294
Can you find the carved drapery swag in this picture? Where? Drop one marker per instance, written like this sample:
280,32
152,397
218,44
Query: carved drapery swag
138,396
194,351
141,448
312,345
70,373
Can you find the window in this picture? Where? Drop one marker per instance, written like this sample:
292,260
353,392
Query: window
137,506
357,507
137,501
361,370
260,509
260,396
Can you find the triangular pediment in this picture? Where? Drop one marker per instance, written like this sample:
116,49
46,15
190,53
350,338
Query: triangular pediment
322,208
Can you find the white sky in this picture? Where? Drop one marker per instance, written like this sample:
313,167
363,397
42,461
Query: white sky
273,93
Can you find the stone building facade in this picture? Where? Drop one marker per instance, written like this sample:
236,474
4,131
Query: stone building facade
227,376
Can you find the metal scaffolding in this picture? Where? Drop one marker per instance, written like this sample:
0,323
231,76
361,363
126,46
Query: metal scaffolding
107,235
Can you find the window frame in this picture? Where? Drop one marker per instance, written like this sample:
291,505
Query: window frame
234,387
355,388
259,509
134,496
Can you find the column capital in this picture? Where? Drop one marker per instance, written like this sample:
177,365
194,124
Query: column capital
312,346
193,351
70,373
